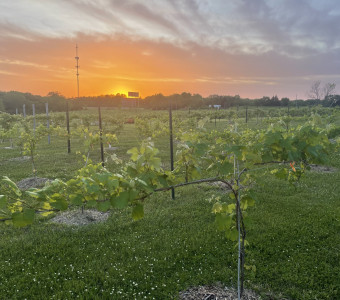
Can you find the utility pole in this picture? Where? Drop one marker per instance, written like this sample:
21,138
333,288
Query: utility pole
296,101
77,67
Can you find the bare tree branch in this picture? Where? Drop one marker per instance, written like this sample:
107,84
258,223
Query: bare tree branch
328,90
315,90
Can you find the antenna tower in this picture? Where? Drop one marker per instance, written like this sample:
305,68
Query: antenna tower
77,67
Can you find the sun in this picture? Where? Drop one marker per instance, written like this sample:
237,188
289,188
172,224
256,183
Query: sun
119,90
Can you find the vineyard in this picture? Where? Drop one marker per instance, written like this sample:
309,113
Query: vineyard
251,198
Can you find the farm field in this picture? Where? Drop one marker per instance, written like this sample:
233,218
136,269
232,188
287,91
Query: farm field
293,232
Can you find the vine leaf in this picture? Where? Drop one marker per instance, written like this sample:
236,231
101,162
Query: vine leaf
104,206
24,218
223,221
3,201
76,199
12,186
134,153
138,212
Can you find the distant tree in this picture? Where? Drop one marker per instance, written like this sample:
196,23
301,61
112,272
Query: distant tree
264,101
13,100
317,92
285,101
2,106
55,95
328,90
333,100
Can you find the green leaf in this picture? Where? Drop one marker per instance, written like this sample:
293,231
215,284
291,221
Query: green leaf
246,201
3,201
267,156
24,218
155,163
162,180
113,184
232,234
134,153
12,186
201,149
91,203
104,206
217,207
59,202
223,221
230,208
76,199
138,212
226,167
33,193
281,173
93,188
131,170
122,200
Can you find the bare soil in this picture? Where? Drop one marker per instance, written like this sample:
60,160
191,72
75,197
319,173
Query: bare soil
79,218
20,158
32,182
323,169
215,292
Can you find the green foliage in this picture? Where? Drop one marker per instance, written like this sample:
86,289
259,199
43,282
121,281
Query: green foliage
199,154
91,138
13,208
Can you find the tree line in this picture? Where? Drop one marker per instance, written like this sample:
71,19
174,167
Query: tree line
13,102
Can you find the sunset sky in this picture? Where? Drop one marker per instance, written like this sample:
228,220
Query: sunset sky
252,48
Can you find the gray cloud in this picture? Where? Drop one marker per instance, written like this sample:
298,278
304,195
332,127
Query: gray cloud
290,27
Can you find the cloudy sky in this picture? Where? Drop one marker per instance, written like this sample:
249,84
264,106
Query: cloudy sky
251,48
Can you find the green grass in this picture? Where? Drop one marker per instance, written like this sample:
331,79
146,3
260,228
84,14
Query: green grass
293,234
173,247
297,244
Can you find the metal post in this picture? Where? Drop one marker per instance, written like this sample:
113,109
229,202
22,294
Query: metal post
33,113
48,123
237,177
24,110
246,114
296,104
101,136
171,148
239,236
77,67
68,129
16,111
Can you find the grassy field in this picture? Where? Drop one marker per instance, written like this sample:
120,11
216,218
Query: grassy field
294,237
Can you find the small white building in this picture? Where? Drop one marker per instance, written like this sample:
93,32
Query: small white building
217,106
